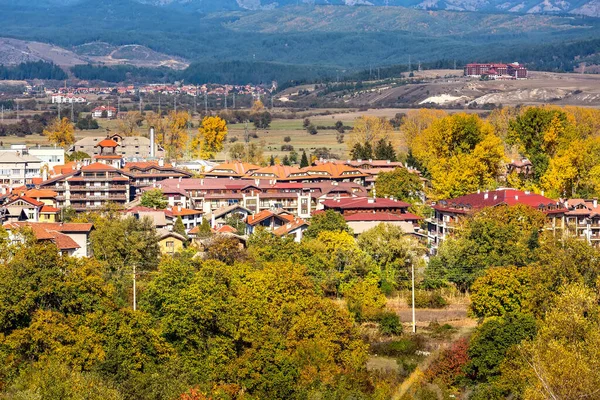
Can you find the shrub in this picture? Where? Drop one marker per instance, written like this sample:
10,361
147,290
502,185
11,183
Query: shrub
405,346
448,368
389,323
428,299
441,331
287,139
287,147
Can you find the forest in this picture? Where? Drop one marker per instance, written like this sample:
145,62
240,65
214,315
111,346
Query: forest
32,70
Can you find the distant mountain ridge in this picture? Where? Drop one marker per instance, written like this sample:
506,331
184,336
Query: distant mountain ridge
579,7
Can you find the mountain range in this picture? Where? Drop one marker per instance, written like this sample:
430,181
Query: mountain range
578,7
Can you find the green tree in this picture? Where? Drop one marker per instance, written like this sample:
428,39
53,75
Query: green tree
364,300
499,291
400,184
204,231
304,160
154,198
491,341
179,227
326,221
384,150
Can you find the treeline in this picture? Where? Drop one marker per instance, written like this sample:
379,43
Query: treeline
32,70
230,72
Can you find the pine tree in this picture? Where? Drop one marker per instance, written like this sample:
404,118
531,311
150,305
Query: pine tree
179,228
204,231
304,160
385,151
272,160
286,160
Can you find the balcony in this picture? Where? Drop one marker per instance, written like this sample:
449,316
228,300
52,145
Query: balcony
97,188
104,198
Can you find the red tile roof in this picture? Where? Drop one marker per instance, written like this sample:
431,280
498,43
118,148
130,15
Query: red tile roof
496,197
26,199
226,229
49,210
41,193
98,167
265,214
381,216
290,226
54,232
184,211
367,203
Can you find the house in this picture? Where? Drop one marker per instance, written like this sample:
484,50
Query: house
71,238
220,217
293,229
348,206
158,217
108,154
170,243
68,99
582,220
447,213
49,156
148,173
104,112
22,208
267,219
190,218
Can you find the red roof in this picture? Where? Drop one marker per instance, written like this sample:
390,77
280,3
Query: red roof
98,167
49,210
265,214
496,197
381,216
54,232
366,203
184,211
26,199
226,229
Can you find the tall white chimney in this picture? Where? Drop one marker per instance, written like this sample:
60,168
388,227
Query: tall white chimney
152,142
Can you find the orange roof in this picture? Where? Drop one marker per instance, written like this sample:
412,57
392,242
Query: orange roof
108,157
49,210
235,168
41,193
36,181
184,211
53,232
107,143
26,199
98,167
226,229
290,226
64,169
274,171
265,214
334,170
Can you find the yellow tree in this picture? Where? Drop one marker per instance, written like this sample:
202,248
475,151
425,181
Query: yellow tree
258,106
210,138
370,130
416,121
61,133
176,137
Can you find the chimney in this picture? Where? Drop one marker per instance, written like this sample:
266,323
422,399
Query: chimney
595,202
516,197
180,179
202,182
486,195
543,193
161,162
152,142
44,174
78,166
179,208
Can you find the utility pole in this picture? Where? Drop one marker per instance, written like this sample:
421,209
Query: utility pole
175,103
159,110
234,100
140,103
17,103
59,105
118,105
409,66
271,101
72,112
225,101
196,101
205,104
2,112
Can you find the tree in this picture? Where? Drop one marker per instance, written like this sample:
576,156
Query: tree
339,127
416,122
77,156
128,124
385,151
204,231
491,237
312,129
61,133
370,130
400,184
364,300
306,123
212,134
361,152
499,291
286,160
461,155
154,198
262,120
258,106
272,160
179,227
175,137
491,341
237,152
304,160
328,221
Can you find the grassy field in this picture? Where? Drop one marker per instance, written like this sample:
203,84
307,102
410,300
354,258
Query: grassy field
273,138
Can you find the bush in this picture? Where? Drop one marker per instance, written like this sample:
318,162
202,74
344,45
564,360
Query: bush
389,323
448,368
287,147
405,346
287,139
427,299
440,331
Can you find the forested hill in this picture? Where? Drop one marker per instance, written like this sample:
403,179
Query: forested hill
342,38
579,7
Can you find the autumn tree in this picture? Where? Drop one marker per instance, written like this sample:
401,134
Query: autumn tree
327,221
175,136
370,130
154,198
461,154
60,133
400,184
211,135
129,123
415,122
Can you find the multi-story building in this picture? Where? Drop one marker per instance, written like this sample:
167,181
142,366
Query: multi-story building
582,220
496,70
447,213
70,238
130,147
91,187
149,173
17,169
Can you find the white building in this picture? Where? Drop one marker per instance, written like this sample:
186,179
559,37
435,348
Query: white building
48,155
67,99
17,169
